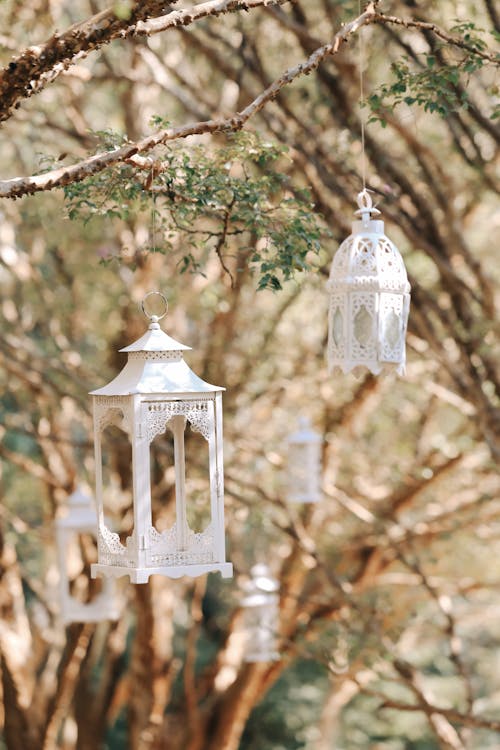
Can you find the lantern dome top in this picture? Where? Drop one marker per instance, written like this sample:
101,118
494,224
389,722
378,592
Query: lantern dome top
155,365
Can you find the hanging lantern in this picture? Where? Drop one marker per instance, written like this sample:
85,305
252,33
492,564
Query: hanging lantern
369,299
304,464
80,518
261,615
155,391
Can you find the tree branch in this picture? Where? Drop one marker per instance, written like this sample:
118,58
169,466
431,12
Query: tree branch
410,23
37,66
25,73
19,186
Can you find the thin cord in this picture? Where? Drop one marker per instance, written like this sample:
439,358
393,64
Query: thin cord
362,100
153,199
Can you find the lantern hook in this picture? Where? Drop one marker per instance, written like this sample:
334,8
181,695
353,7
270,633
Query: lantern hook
154,318
366,207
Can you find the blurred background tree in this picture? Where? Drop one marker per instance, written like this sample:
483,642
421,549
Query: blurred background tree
389,626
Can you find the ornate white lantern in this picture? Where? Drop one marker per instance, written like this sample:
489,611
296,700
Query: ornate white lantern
304,464
155,391
80,518
261,615
369,299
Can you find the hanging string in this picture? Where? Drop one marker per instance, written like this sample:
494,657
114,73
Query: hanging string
153,202
362,99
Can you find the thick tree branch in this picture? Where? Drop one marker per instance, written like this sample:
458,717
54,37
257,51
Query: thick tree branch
203,10
25,73
40,65
19,186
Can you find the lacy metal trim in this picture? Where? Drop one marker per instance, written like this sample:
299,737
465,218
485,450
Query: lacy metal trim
113,410
196,412
156,356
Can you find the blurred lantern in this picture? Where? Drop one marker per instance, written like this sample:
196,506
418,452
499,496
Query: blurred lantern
261,615
157,390
79,519
304,464
369,299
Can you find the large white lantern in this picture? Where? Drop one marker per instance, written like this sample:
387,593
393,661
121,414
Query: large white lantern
79,518
155,391
260,607
369,299
303,468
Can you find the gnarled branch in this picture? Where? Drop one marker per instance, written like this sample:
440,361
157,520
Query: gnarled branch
19,186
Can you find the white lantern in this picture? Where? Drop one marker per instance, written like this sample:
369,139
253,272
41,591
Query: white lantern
261,615
80,518
157,390
304,464
369,299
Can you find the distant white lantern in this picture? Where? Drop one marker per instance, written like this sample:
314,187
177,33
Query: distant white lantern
79,518
369,299
155,391
261,615
304,464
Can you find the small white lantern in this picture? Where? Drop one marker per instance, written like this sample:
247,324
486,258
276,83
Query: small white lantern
369,299
80,518
304,464
157,390
261,615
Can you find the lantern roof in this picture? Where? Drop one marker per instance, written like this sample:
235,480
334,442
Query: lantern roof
262,578
155,365
79,513
305,433
261,588
367,260
155,340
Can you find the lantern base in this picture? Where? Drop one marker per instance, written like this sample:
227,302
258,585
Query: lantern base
87,613
303,499
141,575
359,369
261,658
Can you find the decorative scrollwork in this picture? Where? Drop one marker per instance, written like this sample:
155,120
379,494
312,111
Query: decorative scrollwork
113,410
198,549
196,412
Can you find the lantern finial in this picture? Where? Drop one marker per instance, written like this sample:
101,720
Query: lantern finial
366,207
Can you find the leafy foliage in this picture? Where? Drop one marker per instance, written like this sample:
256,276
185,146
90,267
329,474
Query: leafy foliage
433,83
235,200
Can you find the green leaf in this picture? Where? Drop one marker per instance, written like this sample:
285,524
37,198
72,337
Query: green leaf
122,9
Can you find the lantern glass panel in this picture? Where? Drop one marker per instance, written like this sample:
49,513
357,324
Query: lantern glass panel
363,326
338,327
392,328
304,465
116,457
196,479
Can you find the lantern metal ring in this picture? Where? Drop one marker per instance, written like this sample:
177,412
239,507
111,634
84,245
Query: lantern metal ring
155,317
